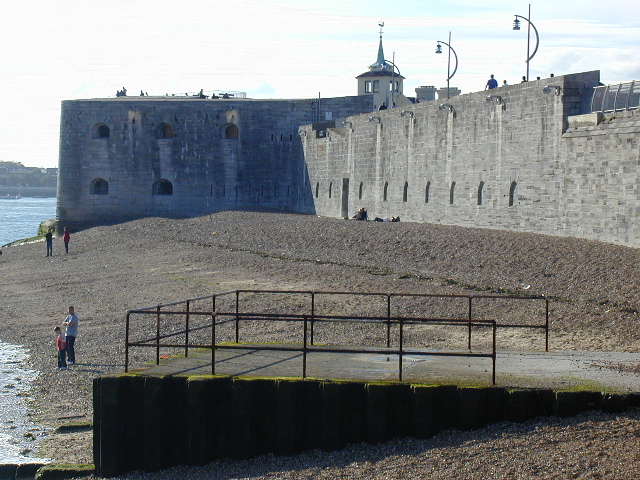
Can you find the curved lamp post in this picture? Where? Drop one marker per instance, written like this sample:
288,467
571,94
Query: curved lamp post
439,50
395,68
516,26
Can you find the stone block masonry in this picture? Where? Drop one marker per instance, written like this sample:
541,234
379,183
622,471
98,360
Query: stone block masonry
514,158
527,157
131,157
150,423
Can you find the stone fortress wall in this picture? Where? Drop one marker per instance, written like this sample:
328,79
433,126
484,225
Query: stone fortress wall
528,159
131,157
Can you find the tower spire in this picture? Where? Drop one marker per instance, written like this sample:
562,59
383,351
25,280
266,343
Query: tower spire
380,63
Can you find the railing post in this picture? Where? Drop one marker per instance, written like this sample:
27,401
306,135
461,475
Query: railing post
388,320
158,335
304,348
237,319
213,341
401,340
469,339
313,313
126,344
493,355
546,325
186,331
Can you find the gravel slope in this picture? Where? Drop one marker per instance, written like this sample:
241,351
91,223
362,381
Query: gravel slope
594,287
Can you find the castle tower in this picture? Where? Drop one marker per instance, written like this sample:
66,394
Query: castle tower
382,82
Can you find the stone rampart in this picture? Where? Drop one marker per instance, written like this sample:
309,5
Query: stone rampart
130,157
522,157
503,159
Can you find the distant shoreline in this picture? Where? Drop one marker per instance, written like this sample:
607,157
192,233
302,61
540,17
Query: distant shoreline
46,192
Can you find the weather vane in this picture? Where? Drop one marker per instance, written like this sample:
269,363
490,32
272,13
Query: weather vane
381,24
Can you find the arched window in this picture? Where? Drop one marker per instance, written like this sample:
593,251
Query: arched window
360,191
480,191
426,192
512,194
330,188
384,191
163,187
231,131
452,192
165,131
101,131
99,187
405,192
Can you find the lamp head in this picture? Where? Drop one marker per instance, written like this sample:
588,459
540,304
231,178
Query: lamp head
556,88
516,24
438,48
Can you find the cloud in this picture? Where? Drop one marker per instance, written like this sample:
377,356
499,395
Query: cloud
263,90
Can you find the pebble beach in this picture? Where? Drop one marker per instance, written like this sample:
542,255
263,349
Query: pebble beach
594,288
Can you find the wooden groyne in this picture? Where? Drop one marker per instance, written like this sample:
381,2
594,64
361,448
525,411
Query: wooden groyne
150,423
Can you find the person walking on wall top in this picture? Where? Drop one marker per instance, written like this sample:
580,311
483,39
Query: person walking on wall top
66,236
491,83
71,330
49,238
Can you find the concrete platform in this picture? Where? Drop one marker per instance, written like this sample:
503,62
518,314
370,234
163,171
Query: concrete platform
556,370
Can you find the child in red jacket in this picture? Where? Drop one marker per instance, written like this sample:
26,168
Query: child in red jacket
61,344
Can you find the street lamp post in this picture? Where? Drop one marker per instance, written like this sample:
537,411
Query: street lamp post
394,69
439,50
516,26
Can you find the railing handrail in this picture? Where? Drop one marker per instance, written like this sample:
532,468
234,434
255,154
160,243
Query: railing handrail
312,317
329,292
306,348
320,318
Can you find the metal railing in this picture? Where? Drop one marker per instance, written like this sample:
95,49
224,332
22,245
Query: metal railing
232,313
616,97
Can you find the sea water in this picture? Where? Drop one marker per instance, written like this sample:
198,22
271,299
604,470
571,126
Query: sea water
17,433
20,217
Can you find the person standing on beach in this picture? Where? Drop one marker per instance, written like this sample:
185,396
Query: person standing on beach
49,238
71,330
61,346
66,236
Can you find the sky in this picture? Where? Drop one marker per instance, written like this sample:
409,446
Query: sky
55,50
